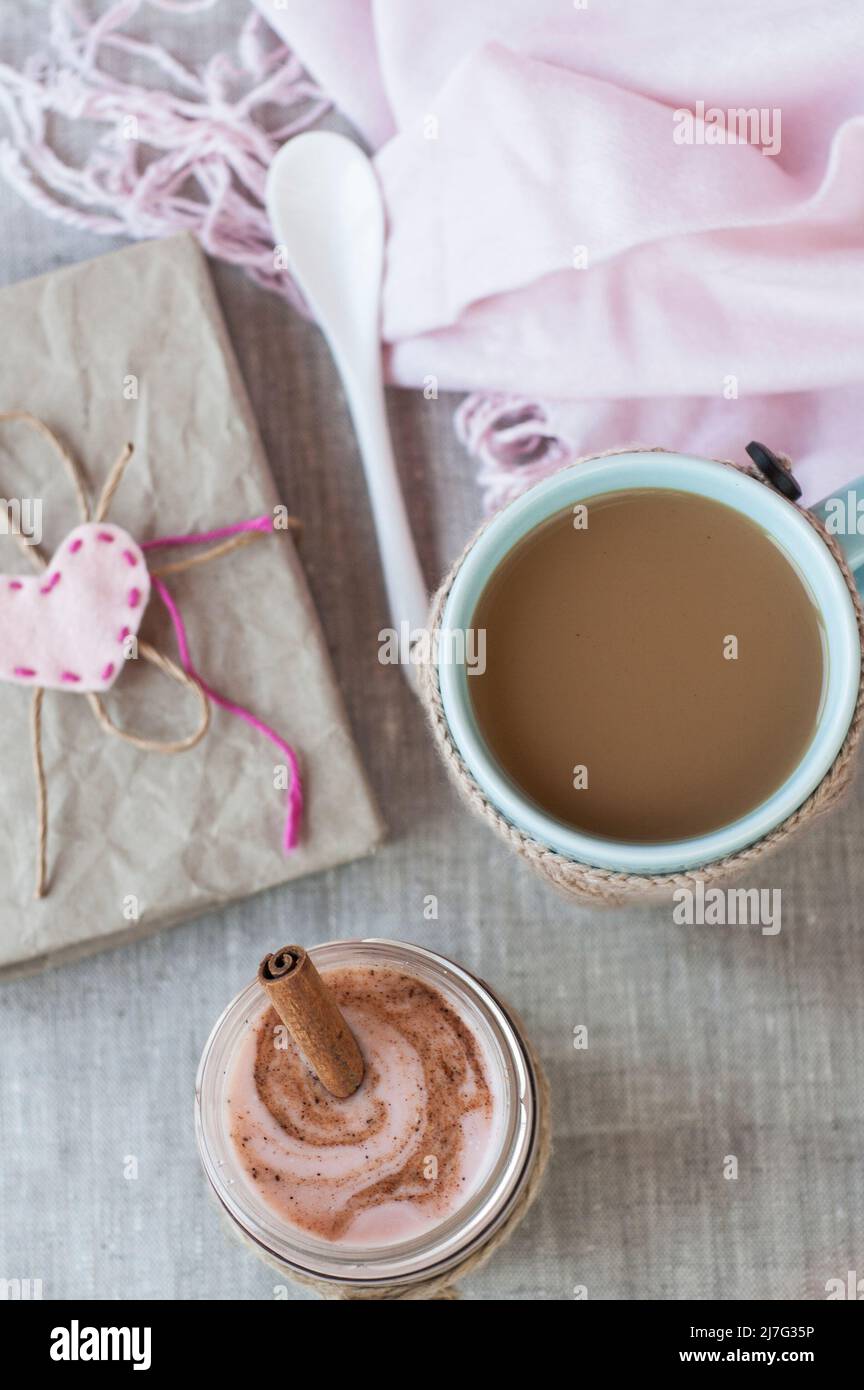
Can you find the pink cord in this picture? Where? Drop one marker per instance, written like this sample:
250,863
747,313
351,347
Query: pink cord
295,790
257,523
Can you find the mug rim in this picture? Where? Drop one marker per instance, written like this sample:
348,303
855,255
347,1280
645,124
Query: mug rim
805,550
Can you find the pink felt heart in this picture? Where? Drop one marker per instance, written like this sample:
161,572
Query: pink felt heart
67,628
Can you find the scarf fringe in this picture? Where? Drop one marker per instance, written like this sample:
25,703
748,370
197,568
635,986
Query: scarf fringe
511,438
192,156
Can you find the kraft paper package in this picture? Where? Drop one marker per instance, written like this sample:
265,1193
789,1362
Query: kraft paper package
132,346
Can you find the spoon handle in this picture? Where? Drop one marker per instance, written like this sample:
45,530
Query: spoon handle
326,207
407,596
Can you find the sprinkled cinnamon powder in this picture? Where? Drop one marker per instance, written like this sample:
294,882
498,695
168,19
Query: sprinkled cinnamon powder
400,1154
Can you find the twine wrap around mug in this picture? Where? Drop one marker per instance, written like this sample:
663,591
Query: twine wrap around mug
589,883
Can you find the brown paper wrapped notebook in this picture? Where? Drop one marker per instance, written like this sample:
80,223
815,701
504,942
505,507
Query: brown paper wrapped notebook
133,346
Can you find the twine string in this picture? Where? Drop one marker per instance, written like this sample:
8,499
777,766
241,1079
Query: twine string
235,539
41,790
189,561
112,482
39,562
220,533
24,417
33,551
228,539
295,787
154,745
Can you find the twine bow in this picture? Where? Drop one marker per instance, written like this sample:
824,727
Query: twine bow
228,539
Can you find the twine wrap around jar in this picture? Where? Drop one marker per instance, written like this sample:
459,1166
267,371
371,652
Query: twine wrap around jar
586,882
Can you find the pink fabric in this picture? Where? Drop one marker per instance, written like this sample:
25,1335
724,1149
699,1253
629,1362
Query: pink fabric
551,247
65,629
712,269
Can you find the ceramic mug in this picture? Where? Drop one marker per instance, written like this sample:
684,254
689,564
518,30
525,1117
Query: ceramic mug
803,547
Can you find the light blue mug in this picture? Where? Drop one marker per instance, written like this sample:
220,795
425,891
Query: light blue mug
805,549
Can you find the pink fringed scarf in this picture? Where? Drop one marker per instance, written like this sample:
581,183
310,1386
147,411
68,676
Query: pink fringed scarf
506,141
191,156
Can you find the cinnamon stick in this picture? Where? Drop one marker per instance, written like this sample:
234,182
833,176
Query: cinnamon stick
313,1018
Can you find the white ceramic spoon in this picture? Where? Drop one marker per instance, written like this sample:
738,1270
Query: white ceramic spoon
326,211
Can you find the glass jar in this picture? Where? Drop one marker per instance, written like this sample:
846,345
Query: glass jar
447,1244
